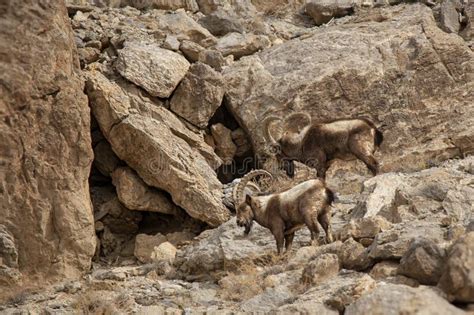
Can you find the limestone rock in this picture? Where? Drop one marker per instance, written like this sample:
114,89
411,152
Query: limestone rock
384,269
88,55
392,299
145,245
165,252
424,261
191,50
393,244
105,159
137,129
354,256
189,5
347,177
45,142
117,218
270,299
241,140
225,148
199,95
8,250
241,44
323,11
468,32
372,56
171,43
321,269
155,69
221,22
457,279
213,58
136,195
363,228
449,15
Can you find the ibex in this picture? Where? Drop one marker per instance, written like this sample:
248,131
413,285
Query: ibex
315,143
286,212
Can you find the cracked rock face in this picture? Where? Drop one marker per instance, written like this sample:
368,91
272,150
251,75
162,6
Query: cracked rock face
399,71
45,142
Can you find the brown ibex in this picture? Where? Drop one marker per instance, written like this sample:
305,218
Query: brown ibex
286,212
315,143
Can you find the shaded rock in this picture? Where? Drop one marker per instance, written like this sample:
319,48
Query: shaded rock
145,245
213,58
136,195
468,32
119,219
393,244
347,177
321,269
307,307
88,55
105,158
45,142
241,44
449,15
457,279
199,95
271,298
424,261
165,252
363,228
241,140
323,11
225,148
8,250
394,299
155,69
221,22
137,130
354,256
171,43
191,50
372,56
384,269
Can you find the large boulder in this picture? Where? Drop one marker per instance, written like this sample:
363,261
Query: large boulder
155,69
458,279
199,95
393,299
136,195
160,148
239,45
399,71
45,142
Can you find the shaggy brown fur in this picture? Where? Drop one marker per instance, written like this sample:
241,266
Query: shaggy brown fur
315,144
284,213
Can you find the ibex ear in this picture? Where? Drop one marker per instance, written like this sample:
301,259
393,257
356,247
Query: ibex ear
248,198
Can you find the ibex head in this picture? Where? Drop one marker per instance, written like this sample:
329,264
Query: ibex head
244,203
287,143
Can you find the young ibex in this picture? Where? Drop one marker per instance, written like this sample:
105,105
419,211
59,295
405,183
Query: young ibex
315,143
286,212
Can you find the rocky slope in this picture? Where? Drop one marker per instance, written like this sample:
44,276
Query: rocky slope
177,92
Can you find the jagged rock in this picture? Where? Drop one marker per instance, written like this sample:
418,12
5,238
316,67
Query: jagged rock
423,261
165,252
307,307
384,269
372,56
199,95
8,250
392,299
393,243
225,148
241,140
171,43
241,44
354,256
244,7
221,22
136,195
119,219
88,55
180,24
189,5
449,15
137,129
155,69
323,11
105,159
457,279
338,292
321,269
266,301
45,142
226,248
308,253
363,228
145,245
468,32
191,50
177,238
213,58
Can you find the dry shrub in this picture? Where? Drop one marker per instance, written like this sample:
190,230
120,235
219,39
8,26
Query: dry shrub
95,303
242,286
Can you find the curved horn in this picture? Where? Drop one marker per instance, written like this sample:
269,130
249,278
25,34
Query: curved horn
297,121
239,188
266,128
